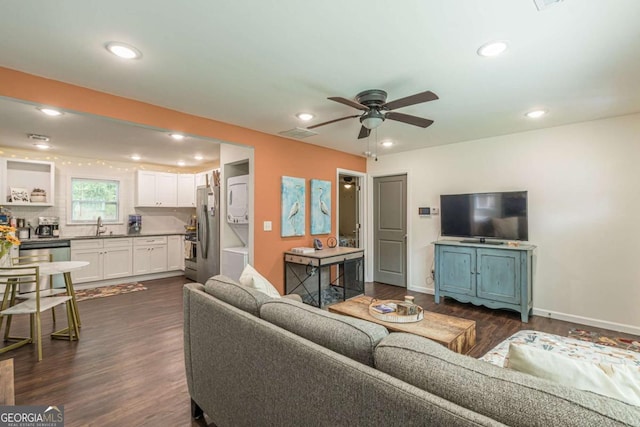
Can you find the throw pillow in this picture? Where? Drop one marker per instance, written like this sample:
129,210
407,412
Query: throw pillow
242,297
252,279
621,382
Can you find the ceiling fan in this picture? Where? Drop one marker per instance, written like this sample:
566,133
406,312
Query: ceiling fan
376,109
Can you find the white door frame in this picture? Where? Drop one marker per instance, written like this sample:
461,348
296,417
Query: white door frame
369,248
362,203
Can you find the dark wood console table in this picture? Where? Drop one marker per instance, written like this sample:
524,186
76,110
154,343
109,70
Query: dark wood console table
325,276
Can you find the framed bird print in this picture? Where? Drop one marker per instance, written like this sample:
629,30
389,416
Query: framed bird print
292,193
320,206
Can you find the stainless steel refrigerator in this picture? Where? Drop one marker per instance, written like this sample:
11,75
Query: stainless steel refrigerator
208,232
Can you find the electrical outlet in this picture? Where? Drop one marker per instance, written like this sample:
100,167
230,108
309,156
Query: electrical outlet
267,226
435,211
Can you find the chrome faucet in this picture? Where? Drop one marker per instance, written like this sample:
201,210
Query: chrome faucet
100,228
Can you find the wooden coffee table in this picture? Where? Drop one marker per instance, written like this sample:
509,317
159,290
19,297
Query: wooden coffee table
455,333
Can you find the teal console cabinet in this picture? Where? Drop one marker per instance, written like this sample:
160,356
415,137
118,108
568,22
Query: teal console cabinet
496,277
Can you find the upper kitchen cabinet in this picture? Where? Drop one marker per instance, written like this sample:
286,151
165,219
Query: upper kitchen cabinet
187,190
156,189
27,182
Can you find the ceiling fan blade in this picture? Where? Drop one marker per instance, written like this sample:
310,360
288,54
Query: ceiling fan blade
364,132
332,121
411,100
349,102
406,118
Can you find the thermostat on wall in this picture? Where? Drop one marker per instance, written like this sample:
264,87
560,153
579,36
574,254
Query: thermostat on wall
424,211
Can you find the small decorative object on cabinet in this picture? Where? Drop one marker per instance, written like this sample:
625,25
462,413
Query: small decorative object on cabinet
38,195
495,278
19,195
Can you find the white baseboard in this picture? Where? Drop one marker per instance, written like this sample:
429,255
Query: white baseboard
421,289
587,321
629,329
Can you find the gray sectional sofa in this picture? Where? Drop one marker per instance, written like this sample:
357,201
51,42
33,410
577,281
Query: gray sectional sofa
256,361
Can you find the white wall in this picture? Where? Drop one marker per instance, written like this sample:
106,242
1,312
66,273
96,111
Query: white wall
584,211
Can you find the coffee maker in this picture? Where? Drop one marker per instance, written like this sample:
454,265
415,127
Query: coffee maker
48,226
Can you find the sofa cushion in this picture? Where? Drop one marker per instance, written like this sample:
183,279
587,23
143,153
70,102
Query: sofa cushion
232,292
510,397
252,279
348,336
618,381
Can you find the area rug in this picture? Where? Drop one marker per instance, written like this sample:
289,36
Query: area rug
108,291
574,348
596,337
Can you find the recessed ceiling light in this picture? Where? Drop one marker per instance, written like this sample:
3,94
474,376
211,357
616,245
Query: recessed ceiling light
198,157
181,163
42,145
177,136
135,157
50,111
305,117
535,114
493,48
123,50
386,144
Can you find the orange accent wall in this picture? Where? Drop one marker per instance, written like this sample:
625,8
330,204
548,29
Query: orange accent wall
273,156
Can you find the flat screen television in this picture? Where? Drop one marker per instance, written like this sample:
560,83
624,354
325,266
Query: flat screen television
485,215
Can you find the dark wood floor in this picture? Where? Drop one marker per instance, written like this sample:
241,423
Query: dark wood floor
128,368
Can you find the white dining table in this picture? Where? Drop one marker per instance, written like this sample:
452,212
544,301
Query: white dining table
65,268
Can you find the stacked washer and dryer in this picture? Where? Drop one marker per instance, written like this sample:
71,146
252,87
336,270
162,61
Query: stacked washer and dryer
235,259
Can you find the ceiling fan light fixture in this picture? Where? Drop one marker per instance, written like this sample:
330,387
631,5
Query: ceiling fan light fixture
493,48
123,50
305,117
372,119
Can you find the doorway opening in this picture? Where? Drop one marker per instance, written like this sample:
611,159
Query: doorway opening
350,209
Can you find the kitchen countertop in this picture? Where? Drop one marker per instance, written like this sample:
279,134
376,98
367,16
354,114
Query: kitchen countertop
102,236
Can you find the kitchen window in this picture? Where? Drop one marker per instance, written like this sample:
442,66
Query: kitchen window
93,198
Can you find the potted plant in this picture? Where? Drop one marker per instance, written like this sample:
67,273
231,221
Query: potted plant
7,240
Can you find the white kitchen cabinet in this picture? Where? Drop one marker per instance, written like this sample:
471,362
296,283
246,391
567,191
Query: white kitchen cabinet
187,190
27,175
149,255
156,189
175,253
116,258
90,251
108,259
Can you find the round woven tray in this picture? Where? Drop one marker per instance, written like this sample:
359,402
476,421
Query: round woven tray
395,317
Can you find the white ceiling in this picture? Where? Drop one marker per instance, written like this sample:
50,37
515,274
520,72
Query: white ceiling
98,138
257,63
